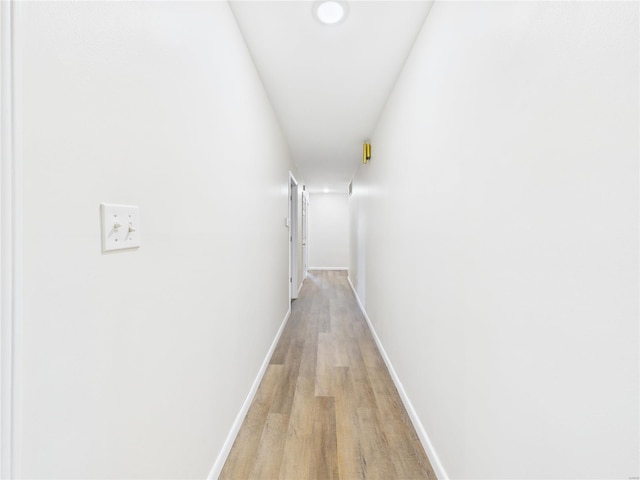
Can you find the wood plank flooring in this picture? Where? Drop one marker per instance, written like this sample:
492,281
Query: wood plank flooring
327,407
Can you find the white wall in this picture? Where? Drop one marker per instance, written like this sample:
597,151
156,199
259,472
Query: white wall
498,219
328,230
136,363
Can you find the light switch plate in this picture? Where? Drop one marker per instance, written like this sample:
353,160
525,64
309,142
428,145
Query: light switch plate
120,226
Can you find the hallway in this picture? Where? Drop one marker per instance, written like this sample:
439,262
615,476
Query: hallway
327,406
472,165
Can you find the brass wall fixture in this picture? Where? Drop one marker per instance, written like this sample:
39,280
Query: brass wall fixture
366,152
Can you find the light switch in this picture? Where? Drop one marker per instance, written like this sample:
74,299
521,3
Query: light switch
120,226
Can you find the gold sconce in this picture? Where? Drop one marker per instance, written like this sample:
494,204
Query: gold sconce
366,152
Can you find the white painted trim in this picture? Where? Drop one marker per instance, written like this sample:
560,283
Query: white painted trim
235,428
10,242
328,268
292,235
417,424
305,233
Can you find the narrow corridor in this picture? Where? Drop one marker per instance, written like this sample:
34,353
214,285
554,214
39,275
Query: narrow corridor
327,406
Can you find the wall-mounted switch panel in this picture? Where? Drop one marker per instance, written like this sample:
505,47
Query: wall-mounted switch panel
120,226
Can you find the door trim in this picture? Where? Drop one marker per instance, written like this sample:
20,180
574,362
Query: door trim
293,236
305,234
10,242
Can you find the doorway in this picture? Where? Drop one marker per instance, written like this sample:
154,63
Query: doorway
305,233
293,237
10,248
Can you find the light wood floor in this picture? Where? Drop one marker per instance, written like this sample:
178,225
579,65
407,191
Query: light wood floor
327,407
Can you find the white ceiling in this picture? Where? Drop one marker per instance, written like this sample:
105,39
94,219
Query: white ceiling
328,83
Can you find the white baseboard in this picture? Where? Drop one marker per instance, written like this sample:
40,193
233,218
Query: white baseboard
235,428
417,424
328,268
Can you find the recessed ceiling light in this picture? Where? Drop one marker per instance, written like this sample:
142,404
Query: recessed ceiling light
330,12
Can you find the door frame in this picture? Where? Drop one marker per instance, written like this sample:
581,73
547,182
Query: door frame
292,223
10,241
305,232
